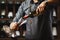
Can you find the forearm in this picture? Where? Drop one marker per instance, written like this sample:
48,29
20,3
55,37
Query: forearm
52,1
19,14
49,2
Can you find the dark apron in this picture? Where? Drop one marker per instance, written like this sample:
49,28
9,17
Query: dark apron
40,28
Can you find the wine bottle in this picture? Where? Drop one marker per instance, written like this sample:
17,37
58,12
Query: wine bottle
54,31
10,15
17,2
3,15
54,13
2,1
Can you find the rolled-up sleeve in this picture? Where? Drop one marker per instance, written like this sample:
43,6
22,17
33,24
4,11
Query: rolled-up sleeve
19,13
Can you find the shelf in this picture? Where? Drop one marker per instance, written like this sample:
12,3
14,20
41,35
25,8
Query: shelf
5,19
12,38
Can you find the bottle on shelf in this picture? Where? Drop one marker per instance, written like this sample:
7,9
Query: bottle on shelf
54,26
54,17
54,13
2,1
17,2
54,31
10,15
3,15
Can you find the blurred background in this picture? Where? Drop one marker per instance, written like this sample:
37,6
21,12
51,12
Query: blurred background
8,9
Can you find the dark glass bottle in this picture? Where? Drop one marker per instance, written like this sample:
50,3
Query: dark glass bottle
10,15
3,15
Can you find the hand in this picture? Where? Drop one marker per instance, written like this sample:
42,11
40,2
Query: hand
6,29
13,25
41,8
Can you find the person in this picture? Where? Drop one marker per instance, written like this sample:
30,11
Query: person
37,27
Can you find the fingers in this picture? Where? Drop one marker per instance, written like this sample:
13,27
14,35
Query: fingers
39,9
13,25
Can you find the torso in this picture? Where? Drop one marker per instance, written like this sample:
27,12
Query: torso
36,25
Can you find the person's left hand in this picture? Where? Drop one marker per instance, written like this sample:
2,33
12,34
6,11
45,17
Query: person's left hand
41,8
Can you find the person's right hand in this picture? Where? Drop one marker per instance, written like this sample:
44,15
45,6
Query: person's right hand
13,25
